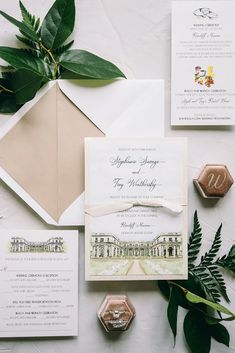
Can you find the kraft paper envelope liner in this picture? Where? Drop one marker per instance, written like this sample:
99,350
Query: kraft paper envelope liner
42,145
44,152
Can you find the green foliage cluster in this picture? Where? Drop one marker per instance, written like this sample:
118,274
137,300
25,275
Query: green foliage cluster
201,294
46,56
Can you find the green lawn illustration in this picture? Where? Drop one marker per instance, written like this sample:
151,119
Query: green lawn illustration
118,267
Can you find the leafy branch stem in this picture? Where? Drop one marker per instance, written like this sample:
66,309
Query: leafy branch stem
185,291
49,53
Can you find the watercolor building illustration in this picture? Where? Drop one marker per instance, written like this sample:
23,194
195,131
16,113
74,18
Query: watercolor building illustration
166,245
110,255
18,244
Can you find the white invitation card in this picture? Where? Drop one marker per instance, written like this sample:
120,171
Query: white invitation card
135,208
203,56
39,283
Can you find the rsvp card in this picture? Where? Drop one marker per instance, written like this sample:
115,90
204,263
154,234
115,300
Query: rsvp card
135,209
39,283
203,56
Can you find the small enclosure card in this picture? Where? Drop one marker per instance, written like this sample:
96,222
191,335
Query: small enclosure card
203,56
135,206
39,283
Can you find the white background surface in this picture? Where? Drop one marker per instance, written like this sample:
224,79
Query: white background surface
135,34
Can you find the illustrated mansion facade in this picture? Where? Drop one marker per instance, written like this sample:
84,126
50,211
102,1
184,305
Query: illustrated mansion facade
168,245
18,244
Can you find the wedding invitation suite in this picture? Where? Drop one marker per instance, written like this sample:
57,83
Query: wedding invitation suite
203,57
39,283
135,208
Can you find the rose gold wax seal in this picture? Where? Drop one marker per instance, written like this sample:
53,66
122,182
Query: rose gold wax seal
214,181
116,312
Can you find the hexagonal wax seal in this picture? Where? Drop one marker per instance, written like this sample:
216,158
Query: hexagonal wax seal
116,312
214,181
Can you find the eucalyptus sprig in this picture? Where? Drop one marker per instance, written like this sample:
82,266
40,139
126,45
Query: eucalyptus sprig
46,56
201,293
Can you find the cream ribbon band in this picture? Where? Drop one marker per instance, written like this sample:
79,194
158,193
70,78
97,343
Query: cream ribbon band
108,208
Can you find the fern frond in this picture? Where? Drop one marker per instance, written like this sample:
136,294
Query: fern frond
215,273
231,253
207,283
211,254
29,20
28,42
195,239
32,52
227,261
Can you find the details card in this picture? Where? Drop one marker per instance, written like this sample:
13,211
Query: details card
39,283
203,56
136,208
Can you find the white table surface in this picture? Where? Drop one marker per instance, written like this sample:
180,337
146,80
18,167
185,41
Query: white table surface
135,34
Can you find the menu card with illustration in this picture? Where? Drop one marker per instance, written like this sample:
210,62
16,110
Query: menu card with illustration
135,208
203,56
39,283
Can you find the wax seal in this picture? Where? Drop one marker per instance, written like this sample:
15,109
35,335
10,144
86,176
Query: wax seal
214,181
116,312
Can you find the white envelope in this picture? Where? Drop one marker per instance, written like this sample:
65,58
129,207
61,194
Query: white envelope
44,139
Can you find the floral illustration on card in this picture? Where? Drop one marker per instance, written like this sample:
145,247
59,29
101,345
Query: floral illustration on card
204,77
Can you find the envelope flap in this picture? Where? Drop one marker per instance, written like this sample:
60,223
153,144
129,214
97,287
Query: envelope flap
108,104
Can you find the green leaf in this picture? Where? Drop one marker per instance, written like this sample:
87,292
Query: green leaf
220,334
192,285
22,26
25,85
8,104
68,75
63,48
7,74
23,59
180,297
195,299
83,63
213,320
164,288
172,311
5,84
58,23
196,332
194,241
